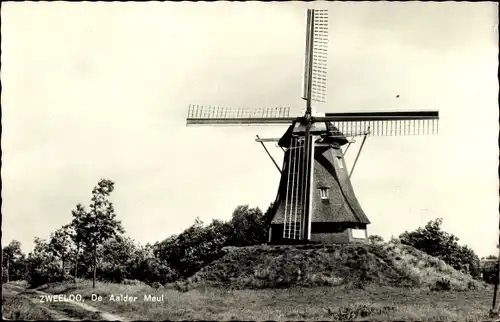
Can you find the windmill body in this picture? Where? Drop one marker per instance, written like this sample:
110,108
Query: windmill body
335,214
315,200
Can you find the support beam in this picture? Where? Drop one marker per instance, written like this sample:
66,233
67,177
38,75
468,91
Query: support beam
359,152
306,162
347,148
267,139
310,188
269,154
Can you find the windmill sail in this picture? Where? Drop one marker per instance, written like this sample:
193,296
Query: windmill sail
315,67
320,60
217,115
385,123
350,124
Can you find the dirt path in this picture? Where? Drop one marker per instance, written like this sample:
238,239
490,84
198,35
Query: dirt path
16,291
90,310
104,315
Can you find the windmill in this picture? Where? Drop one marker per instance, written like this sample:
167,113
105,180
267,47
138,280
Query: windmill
315,200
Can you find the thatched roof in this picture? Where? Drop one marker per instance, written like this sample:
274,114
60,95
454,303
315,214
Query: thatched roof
341,205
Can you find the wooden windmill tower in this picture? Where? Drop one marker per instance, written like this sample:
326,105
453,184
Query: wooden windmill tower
315,200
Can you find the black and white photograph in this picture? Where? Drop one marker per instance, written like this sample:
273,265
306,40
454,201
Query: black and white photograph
283,161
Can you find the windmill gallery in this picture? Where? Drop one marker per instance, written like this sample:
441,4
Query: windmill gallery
316,200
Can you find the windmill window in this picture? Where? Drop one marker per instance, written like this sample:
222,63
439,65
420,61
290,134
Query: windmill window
358,233
323,192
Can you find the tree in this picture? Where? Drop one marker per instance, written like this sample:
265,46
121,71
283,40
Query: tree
61,245
194,248
436,242
116,255
78,230
144,266
13,262
249,227
198,245
42,265
100,223
489,269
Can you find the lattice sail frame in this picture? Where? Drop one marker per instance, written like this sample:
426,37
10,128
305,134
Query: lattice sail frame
385,123
315,76
218,115
388,128
320,56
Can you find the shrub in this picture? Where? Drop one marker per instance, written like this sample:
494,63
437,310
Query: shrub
472,285
356,311
42,271
132,282
375,239
111,273
181,286
156,285
436,242
442,284
325,279
490,272
152,270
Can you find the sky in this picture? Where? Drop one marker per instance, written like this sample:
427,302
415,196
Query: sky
101,90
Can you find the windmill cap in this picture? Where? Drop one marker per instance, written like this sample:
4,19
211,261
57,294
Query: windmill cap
329,133
314,114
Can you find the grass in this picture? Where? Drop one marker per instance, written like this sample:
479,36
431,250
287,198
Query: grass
19,283
297,303
16,307
19,304
384,281
74,311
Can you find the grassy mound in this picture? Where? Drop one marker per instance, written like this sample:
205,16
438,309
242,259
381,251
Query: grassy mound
347,266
